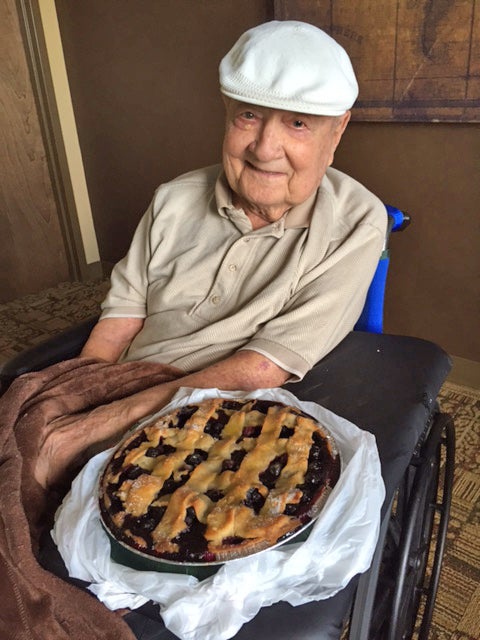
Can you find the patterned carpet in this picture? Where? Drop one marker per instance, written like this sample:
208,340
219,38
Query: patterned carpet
31,319
457,611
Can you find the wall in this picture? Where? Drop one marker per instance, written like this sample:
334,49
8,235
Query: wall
431,171
144,84
145,91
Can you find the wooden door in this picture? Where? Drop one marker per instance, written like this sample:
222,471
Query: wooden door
32,249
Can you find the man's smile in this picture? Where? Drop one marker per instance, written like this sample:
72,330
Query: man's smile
264,172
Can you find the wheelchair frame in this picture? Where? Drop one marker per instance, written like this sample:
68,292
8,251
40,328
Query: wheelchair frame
396,596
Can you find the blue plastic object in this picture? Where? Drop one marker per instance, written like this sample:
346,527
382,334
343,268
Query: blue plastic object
398,217
371,319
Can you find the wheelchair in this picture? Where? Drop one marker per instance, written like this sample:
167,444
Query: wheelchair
385,384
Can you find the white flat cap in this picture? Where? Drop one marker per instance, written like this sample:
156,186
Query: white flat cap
292,66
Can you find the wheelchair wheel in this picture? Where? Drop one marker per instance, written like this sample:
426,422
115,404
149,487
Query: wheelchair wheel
416,539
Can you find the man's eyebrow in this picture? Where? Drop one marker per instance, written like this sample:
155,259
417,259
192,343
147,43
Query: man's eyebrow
246,106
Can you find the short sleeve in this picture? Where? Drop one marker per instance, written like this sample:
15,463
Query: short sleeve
325,306
129,280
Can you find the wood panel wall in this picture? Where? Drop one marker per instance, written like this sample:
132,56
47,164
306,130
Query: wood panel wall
32,255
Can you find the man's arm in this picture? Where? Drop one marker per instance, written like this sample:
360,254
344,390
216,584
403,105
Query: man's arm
243,371
110,337
87,433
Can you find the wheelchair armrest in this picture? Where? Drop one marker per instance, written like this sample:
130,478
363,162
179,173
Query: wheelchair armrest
63,346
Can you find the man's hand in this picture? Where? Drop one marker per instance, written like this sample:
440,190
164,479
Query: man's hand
70,441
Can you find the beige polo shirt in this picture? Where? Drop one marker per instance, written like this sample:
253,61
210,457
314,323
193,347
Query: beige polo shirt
208,285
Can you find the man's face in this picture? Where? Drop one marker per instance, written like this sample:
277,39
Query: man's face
276,159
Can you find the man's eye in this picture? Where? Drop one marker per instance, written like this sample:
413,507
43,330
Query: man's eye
298,124
246,119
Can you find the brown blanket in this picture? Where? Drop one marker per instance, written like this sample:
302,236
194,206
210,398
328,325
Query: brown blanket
35,604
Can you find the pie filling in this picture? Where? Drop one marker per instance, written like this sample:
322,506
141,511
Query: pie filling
218,480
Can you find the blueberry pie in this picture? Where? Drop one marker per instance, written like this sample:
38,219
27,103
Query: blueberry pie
217,480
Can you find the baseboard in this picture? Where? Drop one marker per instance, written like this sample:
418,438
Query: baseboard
465,372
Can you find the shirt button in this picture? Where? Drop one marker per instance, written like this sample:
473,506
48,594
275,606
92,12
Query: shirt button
246,239
215,299
232,267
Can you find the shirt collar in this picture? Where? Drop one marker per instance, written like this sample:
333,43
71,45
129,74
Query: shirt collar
297,217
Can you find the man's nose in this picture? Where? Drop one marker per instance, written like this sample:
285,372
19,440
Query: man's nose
268,142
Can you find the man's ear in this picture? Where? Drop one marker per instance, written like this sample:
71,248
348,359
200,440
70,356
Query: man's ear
339,127
342,125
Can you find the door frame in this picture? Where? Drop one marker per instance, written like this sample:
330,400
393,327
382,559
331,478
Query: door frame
37,59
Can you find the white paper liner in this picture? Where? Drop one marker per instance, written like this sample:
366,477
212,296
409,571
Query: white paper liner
340,545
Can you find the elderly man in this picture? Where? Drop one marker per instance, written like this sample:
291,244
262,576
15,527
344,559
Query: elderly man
244,275
239,276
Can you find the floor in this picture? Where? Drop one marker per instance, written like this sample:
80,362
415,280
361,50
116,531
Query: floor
33,318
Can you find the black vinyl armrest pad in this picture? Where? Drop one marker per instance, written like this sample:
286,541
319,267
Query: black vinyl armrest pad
63,346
